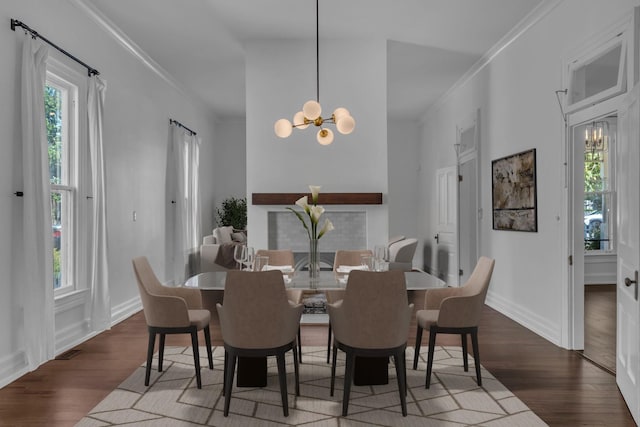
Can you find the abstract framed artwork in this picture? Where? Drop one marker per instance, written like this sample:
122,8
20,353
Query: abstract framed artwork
513,190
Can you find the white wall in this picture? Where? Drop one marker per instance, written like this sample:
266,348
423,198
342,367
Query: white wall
403,142
516,96
280,78
138,106
229,163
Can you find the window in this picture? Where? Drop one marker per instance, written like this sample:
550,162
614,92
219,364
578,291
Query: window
598,74
599,201
61,117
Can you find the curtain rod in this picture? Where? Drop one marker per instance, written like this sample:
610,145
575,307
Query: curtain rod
15,23
175,122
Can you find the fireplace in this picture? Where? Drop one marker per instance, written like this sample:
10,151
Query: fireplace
286,232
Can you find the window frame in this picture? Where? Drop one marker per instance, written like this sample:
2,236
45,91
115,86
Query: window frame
74,128
588,55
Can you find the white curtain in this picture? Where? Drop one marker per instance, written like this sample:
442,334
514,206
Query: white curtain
184,172
99,279
37,276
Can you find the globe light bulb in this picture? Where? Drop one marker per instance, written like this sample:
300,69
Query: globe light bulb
283,128
312,110
345,125
325,136
298,120
339,113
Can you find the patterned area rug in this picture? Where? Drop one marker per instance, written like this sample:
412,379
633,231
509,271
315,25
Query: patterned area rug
172,399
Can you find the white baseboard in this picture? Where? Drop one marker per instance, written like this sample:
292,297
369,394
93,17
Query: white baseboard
13,367
525,317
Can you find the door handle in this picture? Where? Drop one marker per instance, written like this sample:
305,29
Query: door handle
628,282
437,237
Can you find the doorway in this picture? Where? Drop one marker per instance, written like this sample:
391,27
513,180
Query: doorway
593,138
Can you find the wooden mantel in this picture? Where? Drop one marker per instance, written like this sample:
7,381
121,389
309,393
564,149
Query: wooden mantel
323,198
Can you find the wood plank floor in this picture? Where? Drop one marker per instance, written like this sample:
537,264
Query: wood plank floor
560,386
600,325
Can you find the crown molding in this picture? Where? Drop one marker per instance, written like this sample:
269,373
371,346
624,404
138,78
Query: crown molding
116,33
532,18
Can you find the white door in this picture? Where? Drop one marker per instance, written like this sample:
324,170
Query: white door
628,158
468,219
447,257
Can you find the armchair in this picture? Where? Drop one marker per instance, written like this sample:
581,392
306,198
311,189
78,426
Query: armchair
171,311
372,321
401,254
455,311
257,320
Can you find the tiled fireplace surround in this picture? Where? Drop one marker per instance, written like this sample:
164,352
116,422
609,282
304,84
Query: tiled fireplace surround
285,231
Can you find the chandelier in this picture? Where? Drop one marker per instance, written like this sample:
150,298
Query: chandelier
312,112
596,136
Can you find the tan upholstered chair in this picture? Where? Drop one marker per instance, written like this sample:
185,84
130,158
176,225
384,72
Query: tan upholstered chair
455,311
284,257
171,311
342,258
401,254
257,320
372,321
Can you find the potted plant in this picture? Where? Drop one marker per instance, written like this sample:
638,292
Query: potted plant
233,212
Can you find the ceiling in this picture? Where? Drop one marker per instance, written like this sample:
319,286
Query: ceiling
431,43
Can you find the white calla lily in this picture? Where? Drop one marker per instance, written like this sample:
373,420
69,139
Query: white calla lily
315,190
303,203
328,226
316,212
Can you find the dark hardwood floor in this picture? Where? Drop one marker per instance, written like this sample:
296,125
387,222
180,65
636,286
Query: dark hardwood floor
600,325
560,386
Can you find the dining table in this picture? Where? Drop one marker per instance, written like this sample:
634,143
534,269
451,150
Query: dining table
252,372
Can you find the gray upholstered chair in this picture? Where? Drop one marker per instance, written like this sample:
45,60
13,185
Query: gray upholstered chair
257,320
342,258
284,257
455,311
401,254
372,321
171,311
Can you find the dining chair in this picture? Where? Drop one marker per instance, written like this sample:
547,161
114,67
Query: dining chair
171,311
257,320
285,258
342,258
372,321
401,254
455,311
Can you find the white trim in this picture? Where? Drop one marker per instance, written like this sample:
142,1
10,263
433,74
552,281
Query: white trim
532,18
13,367
520,314
125,310
116,33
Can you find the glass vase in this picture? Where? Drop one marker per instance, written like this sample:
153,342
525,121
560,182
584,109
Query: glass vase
314,259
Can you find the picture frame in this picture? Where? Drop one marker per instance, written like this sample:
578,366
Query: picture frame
514,192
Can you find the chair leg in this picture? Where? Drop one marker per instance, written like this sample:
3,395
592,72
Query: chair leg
224,372
207,340
417,347
152,344
401,374
161,352
476,354
282,376
348,379
230,369
299,346
329,343
333,368
196,355
465,354
296,372
432,345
